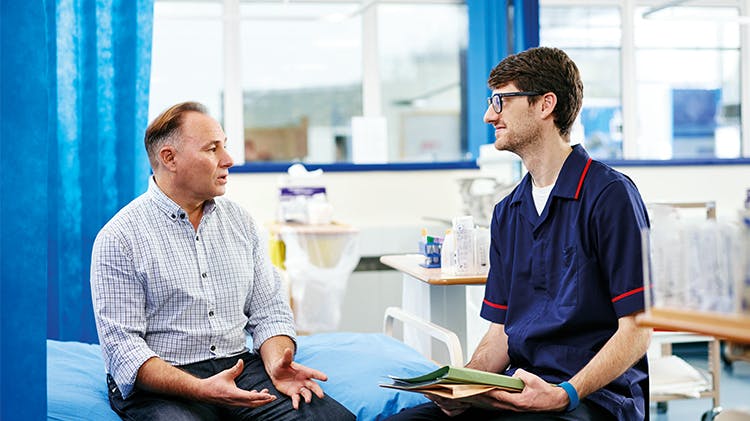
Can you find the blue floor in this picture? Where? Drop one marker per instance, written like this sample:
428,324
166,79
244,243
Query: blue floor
734,392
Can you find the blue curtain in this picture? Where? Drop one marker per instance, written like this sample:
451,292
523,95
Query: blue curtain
99,163
74,81
492,37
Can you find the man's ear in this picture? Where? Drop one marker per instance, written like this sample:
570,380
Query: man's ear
167,157
549,101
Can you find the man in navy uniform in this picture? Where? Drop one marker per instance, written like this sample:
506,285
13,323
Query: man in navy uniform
565,279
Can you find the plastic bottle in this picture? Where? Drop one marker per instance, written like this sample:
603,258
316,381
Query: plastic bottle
447,253
423,241
463,230
482,249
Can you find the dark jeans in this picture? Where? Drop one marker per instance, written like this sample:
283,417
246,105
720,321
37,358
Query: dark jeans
586,411
143,405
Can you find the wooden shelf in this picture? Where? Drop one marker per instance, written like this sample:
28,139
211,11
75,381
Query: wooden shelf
409,263
735,328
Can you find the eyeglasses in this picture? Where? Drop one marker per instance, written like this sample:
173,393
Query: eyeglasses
496,100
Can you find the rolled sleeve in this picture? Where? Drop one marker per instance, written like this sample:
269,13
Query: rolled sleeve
270,315
127,369
119,307
268,311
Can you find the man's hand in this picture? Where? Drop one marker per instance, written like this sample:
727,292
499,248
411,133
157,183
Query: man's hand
221,389
158,376
537,395
451,407
295,380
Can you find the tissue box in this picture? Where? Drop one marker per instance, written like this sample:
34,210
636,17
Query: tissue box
295,203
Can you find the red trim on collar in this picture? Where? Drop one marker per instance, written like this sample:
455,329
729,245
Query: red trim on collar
627,294
491,304
583,175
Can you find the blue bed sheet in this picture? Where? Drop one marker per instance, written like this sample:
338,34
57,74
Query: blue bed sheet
354,362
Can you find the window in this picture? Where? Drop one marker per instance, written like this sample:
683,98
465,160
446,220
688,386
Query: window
186,55
591,36
301,79
316,80
687,82
669,86
421,47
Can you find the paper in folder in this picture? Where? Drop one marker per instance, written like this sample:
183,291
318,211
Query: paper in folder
456,382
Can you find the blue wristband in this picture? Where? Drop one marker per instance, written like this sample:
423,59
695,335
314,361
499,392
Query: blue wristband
572,396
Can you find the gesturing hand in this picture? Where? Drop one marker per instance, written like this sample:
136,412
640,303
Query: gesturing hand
221,389
295,380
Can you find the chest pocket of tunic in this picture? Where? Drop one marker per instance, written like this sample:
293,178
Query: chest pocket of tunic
562,279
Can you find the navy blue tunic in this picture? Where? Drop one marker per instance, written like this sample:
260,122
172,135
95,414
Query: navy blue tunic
559,281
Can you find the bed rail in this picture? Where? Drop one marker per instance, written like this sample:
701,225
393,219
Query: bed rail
443,335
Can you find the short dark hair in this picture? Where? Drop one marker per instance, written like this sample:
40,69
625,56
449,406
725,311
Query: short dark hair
166,126
544,69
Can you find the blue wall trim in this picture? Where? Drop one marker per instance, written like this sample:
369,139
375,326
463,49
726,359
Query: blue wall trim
269,167
676,162
281,167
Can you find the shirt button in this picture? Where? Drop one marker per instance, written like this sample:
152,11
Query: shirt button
196,238
213,348
204,275
182,216
174,216
211,313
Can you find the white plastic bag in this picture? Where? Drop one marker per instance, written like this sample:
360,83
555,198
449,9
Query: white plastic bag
319,265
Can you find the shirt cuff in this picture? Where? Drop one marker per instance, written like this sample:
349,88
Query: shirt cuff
493,312
261,335
629,302
126,371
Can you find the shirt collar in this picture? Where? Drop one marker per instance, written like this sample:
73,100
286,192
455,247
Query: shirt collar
572,174
569,181
168,206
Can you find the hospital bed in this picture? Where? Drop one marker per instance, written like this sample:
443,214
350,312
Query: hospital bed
354,362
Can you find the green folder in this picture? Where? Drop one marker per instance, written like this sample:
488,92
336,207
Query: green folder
458,375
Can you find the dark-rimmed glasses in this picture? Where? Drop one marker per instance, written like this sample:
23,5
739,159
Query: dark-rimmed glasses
496,100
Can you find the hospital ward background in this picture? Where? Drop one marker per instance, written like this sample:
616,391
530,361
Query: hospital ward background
359,147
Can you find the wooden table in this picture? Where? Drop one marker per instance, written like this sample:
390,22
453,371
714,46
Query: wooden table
734,327
439,298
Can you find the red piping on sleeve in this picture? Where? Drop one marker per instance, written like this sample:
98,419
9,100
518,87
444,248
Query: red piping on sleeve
627,294
491,304
583,175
